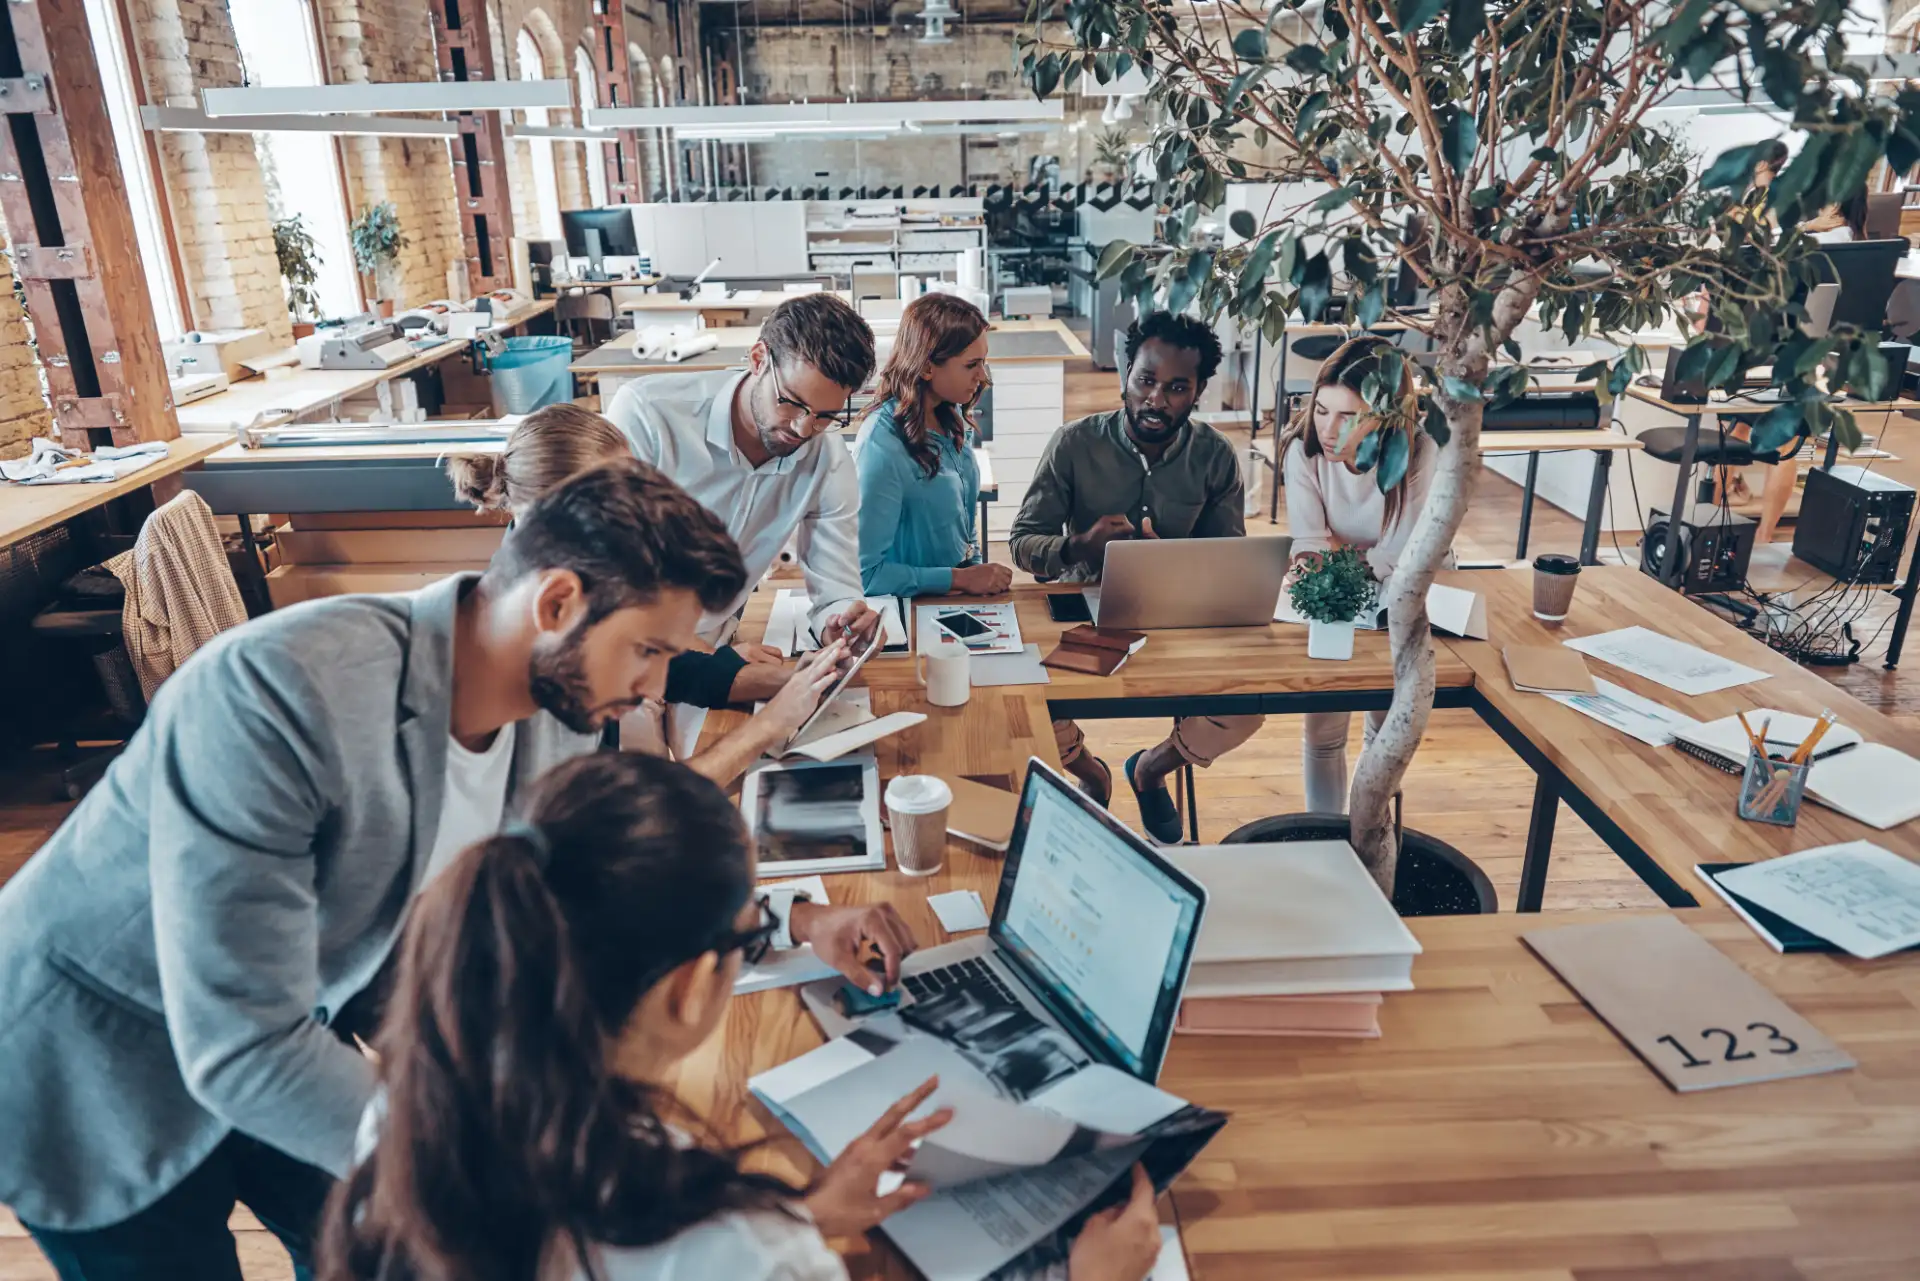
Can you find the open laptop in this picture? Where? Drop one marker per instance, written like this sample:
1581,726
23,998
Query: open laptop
1084,960
1152,583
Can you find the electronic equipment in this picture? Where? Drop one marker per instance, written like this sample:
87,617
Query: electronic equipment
1883,214
841,685
1691,391
1715,547
1545,409
221,351
966,629
1150,583
615,226
197,386
1853,524
1864,270
362,343
1068,607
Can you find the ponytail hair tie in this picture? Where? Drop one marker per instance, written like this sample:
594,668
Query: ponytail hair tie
536,840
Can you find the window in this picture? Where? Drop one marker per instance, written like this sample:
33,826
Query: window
596,151
130,143
546,180
302,169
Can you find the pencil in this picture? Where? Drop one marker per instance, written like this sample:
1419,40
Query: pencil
1753,739
1803,753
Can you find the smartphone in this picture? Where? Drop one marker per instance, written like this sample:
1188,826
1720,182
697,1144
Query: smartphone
963,626
1069,607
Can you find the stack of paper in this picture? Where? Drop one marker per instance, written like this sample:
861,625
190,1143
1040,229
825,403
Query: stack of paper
1287,921
790,629
1002,634
1858,896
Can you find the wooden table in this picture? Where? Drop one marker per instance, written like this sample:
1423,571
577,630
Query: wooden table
1659,809
26,510
1497,1129
277,399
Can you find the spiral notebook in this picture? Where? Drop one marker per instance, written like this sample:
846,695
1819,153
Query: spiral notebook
1723,744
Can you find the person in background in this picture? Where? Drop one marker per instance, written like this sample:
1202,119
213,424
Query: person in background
550,985
1145,470
554,443
186,956
919,483
1332,504
758,448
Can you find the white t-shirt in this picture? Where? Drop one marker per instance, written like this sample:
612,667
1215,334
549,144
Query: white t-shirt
758,1245
475,798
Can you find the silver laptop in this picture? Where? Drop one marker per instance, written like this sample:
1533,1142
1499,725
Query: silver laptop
1084,960
1152,583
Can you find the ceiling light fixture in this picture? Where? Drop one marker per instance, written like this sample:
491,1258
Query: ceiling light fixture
784,115
454,96
934,18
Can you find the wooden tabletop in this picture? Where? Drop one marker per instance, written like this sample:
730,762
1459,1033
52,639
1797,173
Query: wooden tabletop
25,510
1679,810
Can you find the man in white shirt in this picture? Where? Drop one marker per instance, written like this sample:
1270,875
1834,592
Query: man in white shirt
758,448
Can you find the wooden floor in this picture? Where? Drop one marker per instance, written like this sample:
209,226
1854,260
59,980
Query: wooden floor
1464,787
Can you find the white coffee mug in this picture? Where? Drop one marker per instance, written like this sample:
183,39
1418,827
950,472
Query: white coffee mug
943,667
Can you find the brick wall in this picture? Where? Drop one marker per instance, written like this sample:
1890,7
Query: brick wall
23,402
214,183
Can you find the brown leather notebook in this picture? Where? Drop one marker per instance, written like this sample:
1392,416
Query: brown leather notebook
1093,650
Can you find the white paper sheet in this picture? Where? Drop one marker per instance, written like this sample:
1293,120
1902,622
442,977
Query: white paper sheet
959,911
1679,666
1009,669
1857,896
1628,712
789,623
1172,1263
1001,618
833,746
1105,1098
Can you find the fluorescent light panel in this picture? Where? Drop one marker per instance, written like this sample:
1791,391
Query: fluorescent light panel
789,117
193,120
464,95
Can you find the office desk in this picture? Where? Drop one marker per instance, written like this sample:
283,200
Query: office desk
1683,482
1659,809
26,510
1497,1128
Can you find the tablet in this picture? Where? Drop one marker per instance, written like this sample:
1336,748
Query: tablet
839,687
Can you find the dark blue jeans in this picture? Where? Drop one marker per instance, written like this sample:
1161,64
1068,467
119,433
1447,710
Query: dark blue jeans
184,1234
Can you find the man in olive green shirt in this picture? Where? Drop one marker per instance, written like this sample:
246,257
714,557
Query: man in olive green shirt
1143,471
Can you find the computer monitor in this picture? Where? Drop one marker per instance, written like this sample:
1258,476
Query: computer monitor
1864,270
1883,214
614,225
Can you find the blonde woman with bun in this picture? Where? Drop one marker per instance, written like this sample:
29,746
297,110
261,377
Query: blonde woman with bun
552,444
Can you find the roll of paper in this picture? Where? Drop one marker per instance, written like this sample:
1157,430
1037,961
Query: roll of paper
685,345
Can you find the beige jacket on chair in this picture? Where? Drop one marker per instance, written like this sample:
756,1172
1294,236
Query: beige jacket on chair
180,590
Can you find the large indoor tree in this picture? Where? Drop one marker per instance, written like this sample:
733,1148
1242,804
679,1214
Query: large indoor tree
1511,155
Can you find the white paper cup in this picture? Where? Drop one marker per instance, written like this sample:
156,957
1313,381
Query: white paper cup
917,807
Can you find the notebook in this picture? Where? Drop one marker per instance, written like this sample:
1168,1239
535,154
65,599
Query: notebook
1293,918
1872,784
1095,651
981,814
1723,744
1547,669
1864,898
1777,931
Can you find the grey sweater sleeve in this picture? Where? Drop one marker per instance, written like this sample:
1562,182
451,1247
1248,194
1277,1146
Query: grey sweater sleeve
238,795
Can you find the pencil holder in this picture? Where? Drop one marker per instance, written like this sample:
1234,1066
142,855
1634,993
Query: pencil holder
1770,790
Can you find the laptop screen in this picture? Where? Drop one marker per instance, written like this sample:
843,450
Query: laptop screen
1103,924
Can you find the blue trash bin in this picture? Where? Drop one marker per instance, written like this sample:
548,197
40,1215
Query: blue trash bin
530,373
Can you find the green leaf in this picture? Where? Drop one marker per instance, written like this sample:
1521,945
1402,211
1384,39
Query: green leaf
1411,15
1485,197
1368,451
1307,60
1250,44
1310,110
1316,287
1733,167
1587,373
1852,162
1867,370
1691,368
1683,25
1545,155
1113,258
1393,459
1046,76
1240,84
1724,365
1816,352
1336,198
1466,19
1781,424
1288,268
1785,192
1243,224
1359,260
1458,389
1459,138
1373,305
1437,425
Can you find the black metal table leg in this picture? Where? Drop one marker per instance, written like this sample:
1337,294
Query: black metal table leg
1279,411
1596,507
1672,573
1526,504
1900,620
1533,872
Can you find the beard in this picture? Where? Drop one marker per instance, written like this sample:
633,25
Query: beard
1151,427
556,673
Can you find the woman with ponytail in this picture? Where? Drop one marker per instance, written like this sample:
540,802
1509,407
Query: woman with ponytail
549,983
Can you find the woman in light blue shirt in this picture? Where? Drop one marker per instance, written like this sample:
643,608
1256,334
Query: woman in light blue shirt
919,483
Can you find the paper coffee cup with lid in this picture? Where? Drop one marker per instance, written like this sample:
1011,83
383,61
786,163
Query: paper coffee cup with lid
917,806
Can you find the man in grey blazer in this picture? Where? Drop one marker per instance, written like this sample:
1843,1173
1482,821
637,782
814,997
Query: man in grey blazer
175,956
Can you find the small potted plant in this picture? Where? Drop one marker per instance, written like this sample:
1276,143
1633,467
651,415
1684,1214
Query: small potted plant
1329,589
300,264
377,242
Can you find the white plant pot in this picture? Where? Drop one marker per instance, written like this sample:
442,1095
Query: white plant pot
1330,640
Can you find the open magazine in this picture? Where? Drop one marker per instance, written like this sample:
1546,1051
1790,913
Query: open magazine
1013,1179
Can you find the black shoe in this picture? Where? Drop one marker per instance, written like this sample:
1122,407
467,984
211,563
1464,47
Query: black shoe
1158,814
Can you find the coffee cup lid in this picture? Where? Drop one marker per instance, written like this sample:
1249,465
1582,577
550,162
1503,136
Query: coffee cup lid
1556,563
918,794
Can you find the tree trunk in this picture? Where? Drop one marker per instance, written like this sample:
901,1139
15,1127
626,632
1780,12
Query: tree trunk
1464,353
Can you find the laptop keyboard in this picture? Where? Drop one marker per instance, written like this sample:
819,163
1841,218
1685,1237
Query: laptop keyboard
972,972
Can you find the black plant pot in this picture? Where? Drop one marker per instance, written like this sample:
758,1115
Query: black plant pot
1433,878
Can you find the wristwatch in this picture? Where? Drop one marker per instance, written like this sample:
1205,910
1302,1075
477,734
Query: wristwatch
779,903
